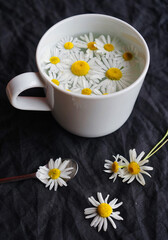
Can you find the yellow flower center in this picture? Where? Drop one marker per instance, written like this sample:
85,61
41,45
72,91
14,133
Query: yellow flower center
54,173
127,56
105,93
109,47
54,60
114,73
80,68
68,45
86,91
115,167
134,168
68,90
91,46
104,210
55,81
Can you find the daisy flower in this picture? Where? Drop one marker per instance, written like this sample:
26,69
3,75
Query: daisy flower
107,46
88,42
53,60
114,167
80,68
67,45
115,74
135,168
128,55
58,80
54,174
103,211
86,88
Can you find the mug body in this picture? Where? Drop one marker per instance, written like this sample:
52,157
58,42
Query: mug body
92,116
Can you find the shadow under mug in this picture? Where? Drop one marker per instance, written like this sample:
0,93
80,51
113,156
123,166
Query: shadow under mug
83,115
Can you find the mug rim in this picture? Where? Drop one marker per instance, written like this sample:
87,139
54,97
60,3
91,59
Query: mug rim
133,85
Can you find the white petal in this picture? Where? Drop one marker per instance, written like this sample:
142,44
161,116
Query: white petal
90,210
106,199
44,170
91,215
61,182
100,224
131,179
57,163
55,186
112,222
93,202
62,175
140,156
146,173
117,205
95,221
140,179
108,171
51,164
116,216
143,162
100,198
63,165
148,168
124,159
51,185
113,202
134,155
49,182
105,224
108,161
130,155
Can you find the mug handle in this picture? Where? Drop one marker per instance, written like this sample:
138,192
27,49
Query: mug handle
23,82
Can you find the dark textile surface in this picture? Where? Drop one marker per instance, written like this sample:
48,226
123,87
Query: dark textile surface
29,139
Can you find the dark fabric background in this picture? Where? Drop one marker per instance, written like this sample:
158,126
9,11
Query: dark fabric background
29,139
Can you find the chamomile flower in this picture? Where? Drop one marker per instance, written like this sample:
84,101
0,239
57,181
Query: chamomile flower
80,67
115,74
114,167
103,211
135,168
67,45
86,88
128,54
53,60
59,80
55,173
87,42
108,46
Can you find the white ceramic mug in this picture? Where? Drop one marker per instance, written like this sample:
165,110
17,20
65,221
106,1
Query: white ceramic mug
83,115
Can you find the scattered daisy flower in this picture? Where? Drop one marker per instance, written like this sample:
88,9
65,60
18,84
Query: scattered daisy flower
114,167
67,45
88,42
107,46
127,54
103,211
53,60
54,174
80,67
115,74
135,168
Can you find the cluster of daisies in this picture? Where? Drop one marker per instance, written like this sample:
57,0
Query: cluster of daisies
58,172
89,65
128,170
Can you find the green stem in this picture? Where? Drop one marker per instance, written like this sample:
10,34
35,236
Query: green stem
121,166
152,151
158,148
